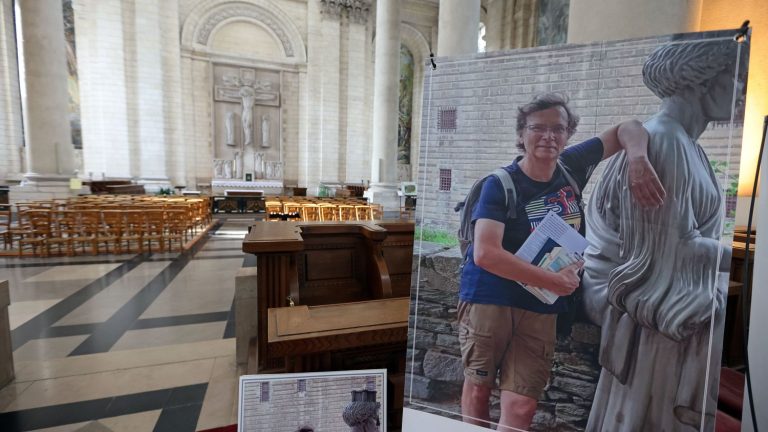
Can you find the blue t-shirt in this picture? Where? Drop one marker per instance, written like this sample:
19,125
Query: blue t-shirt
534,200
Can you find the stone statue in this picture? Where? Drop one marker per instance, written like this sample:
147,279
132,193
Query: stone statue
238,165
249,96
362,414
227,169
265,131
651,278
229,125
218,168
258,165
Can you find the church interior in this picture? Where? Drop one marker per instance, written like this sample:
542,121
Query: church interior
215,116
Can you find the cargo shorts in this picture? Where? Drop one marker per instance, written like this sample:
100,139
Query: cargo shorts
515,344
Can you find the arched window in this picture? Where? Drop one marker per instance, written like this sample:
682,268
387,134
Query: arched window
405,107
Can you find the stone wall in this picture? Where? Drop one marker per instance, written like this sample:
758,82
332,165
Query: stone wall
604,85
434,359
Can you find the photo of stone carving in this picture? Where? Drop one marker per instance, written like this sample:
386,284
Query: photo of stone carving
405,107
274,171
655,308
229,169
229,125
248,96
362,414
316,401
73,82
265,131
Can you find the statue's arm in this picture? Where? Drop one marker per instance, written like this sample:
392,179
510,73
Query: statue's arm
633,138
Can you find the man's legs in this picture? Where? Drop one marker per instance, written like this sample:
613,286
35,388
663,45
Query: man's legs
475,403
516,411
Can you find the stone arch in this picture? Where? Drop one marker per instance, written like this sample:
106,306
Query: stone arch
415,42
209,15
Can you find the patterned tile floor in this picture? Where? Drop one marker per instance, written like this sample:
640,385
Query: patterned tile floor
125,342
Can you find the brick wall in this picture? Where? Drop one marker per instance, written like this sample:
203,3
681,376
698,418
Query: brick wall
603,83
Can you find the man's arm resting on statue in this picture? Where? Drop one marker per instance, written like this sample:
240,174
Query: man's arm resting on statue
492,257
632,137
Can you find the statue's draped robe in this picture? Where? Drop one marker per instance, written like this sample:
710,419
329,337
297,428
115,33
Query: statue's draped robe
653,284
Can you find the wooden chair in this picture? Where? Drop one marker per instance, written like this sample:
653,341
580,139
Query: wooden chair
155,229
37,233
176,228
88,227
377,211
5,227
133,230
310,212
363,212
328,212
63,227
346,212
111,232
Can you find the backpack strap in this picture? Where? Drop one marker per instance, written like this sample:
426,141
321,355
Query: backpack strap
510,194
571,181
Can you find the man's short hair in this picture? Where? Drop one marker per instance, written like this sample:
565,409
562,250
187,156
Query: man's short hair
540,103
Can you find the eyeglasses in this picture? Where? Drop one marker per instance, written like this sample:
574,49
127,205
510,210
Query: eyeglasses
539,129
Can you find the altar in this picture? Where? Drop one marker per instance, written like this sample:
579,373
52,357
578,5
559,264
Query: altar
268,187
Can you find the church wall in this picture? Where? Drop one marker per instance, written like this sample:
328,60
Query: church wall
128,59
11,134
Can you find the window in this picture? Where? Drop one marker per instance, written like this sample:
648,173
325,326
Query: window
370,383
301,387
265,392
481,38
446,119
445,179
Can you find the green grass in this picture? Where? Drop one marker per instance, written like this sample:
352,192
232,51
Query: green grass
436,236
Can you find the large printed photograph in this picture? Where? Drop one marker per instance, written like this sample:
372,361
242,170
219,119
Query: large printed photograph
576,215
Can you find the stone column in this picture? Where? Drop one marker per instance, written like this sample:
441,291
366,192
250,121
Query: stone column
11,136
385,106
458,25
49,150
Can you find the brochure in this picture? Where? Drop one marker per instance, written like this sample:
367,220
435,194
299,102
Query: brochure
553,245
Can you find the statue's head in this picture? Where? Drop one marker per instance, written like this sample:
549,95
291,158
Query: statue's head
705,69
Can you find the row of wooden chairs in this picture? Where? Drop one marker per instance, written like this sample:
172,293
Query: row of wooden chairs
114,223
312,211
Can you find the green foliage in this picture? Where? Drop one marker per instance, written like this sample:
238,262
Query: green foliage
436,236
165,191
720,167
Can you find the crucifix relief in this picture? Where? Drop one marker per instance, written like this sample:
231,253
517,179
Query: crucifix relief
246,90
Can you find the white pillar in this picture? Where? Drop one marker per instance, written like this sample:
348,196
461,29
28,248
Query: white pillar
11,136
49,150
385,105
458,25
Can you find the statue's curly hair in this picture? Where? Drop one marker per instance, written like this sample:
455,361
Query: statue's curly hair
677,66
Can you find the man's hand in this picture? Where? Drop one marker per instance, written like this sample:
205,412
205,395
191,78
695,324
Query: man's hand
566,280
644,184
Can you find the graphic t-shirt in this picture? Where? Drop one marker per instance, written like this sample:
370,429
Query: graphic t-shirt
534,200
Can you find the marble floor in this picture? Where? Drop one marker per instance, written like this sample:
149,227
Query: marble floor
125,342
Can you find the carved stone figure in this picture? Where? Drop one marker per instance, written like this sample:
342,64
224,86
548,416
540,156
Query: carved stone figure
651,278
218,168
265,131
362,414
238,165
258,165
229,125
228,169
249,96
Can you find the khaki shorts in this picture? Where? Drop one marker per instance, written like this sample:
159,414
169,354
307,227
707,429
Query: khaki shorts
516,343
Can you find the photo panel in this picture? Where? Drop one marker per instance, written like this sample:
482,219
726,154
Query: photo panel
314,402
638,345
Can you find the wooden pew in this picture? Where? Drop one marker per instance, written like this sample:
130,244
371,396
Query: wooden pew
323,263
